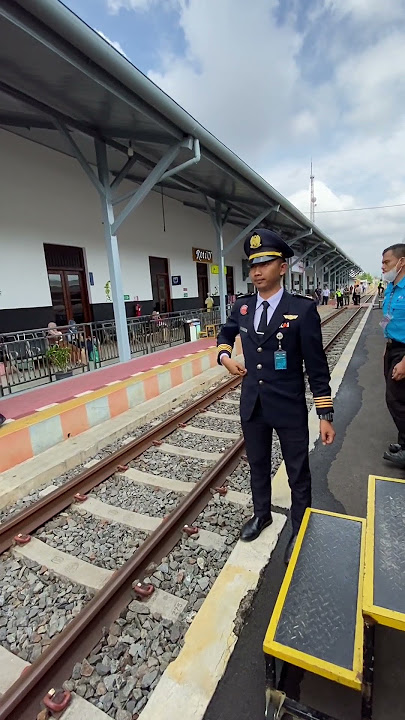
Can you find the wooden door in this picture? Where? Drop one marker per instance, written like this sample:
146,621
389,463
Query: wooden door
67,284
202,282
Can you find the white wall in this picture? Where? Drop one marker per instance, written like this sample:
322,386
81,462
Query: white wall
48,199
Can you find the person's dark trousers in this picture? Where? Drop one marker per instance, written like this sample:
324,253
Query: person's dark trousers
294,447
395,389
325,300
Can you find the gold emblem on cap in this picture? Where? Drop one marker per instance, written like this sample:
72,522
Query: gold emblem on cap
255,241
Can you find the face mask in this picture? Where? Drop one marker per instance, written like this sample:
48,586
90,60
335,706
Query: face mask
390,275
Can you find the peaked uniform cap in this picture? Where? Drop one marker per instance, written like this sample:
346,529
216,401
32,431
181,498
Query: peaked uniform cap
264,245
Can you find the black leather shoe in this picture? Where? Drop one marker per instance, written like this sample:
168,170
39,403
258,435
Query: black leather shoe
394,447
397,458
2,419
252,529
289,549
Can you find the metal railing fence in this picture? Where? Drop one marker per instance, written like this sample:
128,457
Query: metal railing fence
26,356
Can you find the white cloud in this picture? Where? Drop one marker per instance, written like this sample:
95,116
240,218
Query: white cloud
368,10
325,80
114,6
240,76
114,43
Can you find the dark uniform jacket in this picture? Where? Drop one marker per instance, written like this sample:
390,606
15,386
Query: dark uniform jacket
282,392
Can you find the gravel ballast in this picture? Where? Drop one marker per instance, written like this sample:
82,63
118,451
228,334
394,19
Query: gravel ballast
125,667
34,606
177,468
138,498
199,442
103,543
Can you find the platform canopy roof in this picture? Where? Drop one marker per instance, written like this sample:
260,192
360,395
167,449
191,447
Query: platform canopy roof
55,70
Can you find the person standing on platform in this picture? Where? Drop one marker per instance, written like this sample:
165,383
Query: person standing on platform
393,324
346,295
279,332
339,298
209,302
325,295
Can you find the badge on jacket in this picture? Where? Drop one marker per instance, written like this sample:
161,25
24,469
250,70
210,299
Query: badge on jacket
244,310
290,317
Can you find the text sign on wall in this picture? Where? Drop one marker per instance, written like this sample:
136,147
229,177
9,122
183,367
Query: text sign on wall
297,265
176,279
204,256
215,269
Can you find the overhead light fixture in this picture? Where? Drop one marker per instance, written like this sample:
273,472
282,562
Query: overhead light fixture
130,149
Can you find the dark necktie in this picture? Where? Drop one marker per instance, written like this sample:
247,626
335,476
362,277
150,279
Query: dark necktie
263,320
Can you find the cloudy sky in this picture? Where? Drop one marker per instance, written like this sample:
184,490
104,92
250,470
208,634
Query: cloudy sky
281,81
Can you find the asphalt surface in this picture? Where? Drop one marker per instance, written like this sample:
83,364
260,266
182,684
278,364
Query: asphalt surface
364,429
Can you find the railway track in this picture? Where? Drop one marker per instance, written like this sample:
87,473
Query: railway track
120,588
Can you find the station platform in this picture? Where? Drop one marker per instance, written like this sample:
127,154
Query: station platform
40,418
340,482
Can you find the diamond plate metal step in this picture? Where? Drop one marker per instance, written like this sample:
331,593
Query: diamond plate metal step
384,587
317,620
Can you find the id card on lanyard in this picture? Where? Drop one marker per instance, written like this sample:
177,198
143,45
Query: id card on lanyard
388,316
280,356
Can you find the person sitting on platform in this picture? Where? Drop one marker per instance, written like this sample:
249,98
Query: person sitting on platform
53,334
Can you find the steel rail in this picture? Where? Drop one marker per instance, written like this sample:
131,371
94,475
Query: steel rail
43,510
336,336
79,637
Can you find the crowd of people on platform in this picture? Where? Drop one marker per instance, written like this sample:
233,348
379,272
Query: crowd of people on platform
342,294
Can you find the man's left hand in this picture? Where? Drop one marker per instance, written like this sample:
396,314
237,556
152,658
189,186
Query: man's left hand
327,432
398,372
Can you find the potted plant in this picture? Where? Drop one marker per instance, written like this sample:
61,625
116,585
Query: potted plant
59,358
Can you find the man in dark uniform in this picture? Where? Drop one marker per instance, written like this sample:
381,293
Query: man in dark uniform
279,331
393,323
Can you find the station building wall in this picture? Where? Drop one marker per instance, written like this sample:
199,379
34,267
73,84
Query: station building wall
47,198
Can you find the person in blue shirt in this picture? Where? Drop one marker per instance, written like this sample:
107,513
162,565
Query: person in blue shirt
393,324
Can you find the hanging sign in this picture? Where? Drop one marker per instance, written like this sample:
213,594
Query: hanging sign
203,256
297,265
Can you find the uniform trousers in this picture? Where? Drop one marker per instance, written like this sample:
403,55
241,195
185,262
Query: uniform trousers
395,389
294,442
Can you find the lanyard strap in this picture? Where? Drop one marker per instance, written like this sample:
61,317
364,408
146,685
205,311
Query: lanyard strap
391,299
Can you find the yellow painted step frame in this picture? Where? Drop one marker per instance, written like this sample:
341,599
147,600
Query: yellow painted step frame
383,616
350,678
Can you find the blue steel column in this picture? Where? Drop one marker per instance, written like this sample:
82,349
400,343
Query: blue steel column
221,257
114,264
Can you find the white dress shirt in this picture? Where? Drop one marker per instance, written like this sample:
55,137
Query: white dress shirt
273,303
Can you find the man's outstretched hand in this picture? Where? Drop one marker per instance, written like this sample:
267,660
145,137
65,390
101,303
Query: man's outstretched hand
233,367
